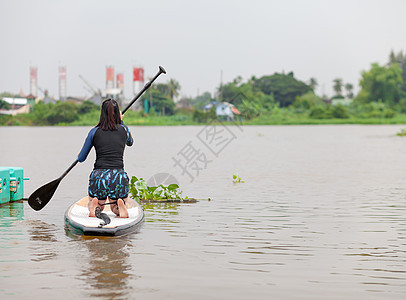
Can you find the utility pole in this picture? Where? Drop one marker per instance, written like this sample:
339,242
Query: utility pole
221,85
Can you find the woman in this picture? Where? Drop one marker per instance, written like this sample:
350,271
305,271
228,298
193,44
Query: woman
108,178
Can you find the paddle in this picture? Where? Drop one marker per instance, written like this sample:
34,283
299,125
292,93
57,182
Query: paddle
43,195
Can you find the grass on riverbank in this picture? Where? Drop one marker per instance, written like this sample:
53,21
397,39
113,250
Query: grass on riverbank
399,119
137,119
133,118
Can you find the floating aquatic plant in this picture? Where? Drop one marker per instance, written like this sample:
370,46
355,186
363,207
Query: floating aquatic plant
237,179
402,132
141,191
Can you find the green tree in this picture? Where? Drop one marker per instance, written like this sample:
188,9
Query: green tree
4,104
250,102
381,83
62,112
7,94
204,117
376,109
162,88
40,111
318,112
231,91
338,87
170,89
284,87
87,106
161,103
201,100
340,112
313,83
399,59
174,88
349,88
251,109
308,101
6,120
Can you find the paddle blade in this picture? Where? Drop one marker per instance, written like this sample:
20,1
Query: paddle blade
41,196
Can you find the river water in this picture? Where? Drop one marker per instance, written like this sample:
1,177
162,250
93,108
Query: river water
321,215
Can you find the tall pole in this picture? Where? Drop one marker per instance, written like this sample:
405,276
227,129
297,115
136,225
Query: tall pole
221,85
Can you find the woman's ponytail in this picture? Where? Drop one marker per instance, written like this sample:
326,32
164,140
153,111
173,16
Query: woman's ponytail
109,116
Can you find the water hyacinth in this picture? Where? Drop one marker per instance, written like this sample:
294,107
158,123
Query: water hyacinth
237,179
140,191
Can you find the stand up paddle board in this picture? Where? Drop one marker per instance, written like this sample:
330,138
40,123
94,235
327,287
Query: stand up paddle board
78,221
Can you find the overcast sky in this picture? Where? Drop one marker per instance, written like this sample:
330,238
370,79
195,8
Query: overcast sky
195,40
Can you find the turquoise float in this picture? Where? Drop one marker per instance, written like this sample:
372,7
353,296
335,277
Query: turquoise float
11,184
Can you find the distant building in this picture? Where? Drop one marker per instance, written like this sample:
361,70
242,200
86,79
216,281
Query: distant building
224,110
47,100
15,102
17,106
30,99
209,106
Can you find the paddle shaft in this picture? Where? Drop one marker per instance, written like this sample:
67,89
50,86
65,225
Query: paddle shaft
146,87
68,170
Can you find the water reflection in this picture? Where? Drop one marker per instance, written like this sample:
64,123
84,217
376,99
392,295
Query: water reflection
10,212
44,246
10,234
166,207
108,270
161,212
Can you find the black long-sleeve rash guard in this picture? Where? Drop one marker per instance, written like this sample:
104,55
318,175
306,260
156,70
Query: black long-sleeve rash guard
109,146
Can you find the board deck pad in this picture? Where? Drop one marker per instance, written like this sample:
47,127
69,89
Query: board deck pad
77,216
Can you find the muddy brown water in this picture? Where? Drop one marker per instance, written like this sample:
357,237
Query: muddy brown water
321,215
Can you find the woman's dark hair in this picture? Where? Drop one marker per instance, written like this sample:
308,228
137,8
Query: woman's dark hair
109,115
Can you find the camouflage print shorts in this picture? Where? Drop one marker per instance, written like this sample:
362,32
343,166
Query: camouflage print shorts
112,183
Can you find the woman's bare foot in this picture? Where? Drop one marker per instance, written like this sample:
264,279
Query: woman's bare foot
122,209
92,207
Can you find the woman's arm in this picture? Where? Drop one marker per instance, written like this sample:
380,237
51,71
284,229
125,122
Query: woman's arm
130,140
87,146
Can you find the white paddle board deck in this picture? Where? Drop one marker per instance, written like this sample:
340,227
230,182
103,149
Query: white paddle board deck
78,221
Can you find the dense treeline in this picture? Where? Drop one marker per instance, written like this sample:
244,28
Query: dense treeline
282,96
271,99
51,114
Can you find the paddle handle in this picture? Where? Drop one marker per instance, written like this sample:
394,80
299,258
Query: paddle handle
68,170
146,87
